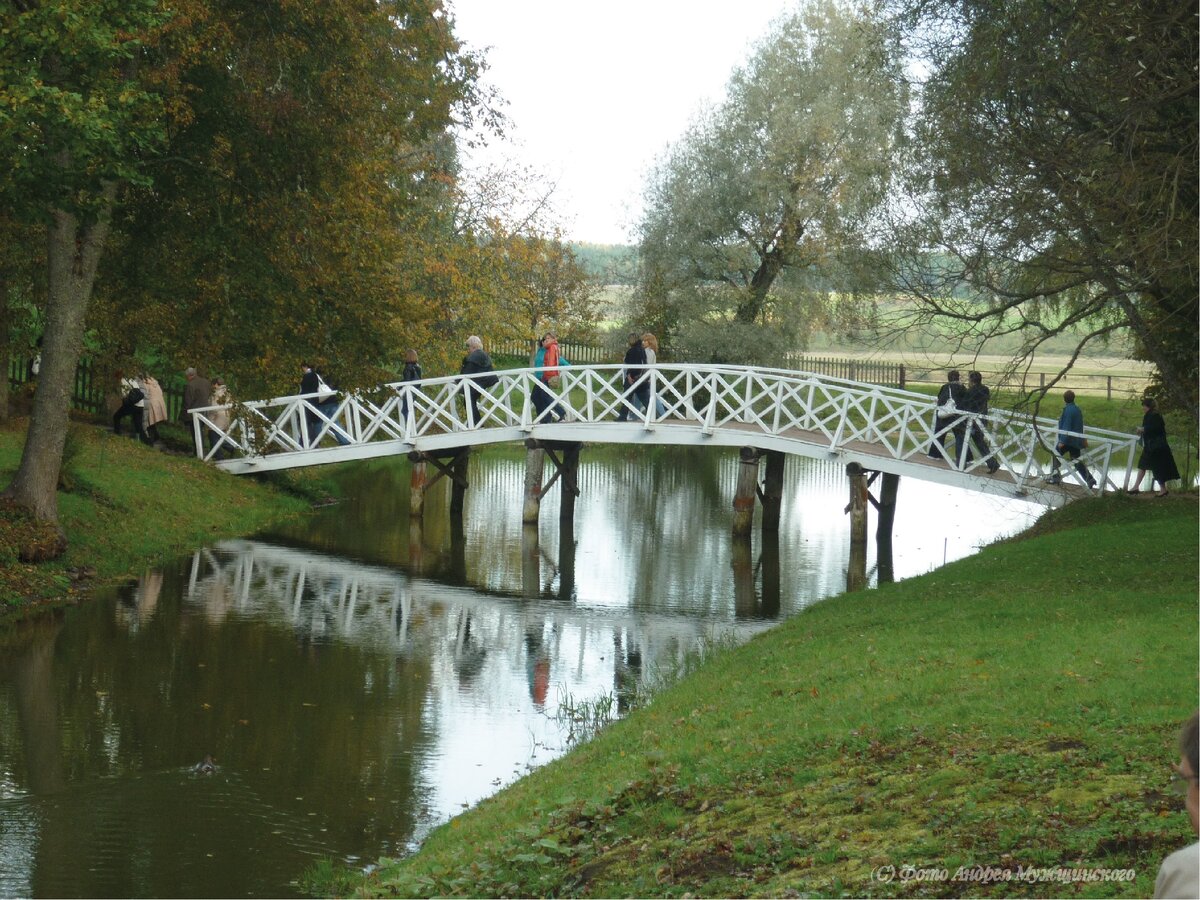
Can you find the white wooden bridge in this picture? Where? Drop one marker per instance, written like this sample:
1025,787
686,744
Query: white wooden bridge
880,428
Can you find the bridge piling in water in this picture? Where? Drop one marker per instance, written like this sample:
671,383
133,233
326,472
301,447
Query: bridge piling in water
459,470
856,570
566,468
772,493
747,490
535,467
418,483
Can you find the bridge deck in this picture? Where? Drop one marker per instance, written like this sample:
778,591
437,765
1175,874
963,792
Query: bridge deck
880,428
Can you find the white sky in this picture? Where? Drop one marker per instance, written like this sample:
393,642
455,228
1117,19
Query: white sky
596,91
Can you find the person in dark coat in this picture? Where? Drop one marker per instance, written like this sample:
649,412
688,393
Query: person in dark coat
475,362
196,393
1156,452
412,372
310,383
975,400
634,376
945,422
1070,441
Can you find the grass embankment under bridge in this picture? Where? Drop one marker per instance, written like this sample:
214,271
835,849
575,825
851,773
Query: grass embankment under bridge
1017,708
125,507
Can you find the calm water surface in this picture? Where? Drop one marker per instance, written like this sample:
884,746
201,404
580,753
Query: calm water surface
359,679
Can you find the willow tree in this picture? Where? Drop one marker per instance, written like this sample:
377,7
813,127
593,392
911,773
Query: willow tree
772,182
1054,181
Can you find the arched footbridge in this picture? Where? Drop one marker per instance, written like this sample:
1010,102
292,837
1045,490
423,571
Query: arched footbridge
880,428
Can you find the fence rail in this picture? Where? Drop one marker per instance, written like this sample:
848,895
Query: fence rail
91,392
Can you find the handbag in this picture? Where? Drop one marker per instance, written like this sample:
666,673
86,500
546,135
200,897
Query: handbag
948,408
134,396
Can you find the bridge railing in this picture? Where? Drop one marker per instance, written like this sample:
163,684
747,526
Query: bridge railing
833,413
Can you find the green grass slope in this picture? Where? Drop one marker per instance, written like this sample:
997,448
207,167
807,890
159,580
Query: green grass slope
128,507
1017,708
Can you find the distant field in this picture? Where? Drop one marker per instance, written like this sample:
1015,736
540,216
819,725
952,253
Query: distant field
1092,375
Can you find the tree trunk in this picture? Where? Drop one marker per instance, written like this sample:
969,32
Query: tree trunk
73,252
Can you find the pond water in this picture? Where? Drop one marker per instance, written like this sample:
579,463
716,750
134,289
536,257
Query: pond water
359,679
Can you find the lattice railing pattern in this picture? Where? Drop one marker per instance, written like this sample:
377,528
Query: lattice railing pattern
813,409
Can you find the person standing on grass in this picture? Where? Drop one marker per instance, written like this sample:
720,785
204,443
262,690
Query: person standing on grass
133,405
1156,455
1070,441
975,400
1179,875
156,405
949,397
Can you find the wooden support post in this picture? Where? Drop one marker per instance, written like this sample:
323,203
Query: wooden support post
418,482
566,559
856,571
458,551
741,560
772,499
569,490
857,507
747,489
416,545
459,469
884,528
531,562
887,506
535,466
768,561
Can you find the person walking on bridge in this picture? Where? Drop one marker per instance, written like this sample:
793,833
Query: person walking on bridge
196,393
634,377
547,361
975,400
412,372
475,362
946,420
1070,441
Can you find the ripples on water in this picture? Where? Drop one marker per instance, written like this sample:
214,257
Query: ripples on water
359,678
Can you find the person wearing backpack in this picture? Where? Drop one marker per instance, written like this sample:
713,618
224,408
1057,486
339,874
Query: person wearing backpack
475,362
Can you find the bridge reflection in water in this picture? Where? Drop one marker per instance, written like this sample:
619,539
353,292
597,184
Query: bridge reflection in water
328,597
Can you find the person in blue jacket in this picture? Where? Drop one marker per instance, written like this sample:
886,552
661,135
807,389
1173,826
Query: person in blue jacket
1070,441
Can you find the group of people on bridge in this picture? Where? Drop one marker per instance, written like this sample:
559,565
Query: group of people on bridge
960,413
952,400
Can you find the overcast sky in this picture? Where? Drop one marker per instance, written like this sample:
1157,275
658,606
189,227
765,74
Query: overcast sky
596,91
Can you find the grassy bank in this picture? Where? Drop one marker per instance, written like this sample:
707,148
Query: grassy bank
129,506
1018,707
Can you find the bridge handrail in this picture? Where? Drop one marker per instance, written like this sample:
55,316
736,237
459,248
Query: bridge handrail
704,396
